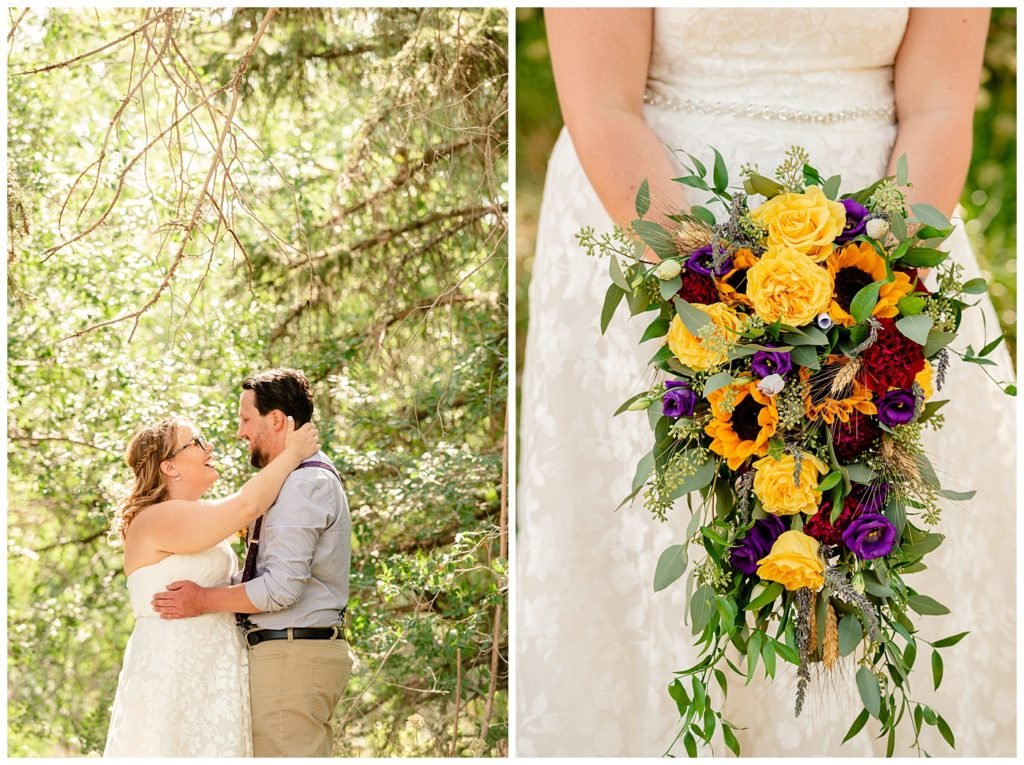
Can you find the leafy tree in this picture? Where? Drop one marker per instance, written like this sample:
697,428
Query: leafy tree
194,194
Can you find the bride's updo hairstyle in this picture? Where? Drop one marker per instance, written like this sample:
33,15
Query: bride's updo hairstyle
150,446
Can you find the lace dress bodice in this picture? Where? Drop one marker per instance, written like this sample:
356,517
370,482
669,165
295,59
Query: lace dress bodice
209,568
810,59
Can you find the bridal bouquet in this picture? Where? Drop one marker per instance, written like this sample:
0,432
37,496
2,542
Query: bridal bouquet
803,355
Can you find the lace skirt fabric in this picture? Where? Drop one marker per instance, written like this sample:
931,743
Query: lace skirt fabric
183,691
596,647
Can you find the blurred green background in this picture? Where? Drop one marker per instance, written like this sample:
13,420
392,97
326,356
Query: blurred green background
990,196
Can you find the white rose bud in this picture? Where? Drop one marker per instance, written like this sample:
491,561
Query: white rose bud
824,321
877,228
771,385
668,269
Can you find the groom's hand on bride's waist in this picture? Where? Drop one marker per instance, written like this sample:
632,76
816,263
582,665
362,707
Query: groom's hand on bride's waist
180,600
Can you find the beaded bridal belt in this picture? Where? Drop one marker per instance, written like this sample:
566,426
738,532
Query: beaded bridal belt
780,113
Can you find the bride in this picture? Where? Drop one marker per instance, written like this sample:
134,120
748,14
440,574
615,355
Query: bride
184,689
857,88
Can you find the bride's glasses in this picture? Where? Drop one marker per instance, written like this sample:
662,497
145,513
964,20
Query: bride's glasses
199,441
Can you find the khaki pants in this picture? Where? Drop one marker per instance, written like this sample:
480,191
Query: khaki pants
294,686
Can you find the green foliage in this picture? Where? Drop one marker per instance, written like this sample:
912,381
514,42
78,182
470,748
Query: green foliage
363,241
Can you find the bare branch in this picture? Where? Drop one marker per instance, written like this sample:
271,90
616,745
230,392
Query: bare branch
68,62
235,85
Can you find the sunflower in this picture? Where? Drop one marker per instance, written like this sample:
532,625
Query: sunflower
856,266
826,401
745,429
732,285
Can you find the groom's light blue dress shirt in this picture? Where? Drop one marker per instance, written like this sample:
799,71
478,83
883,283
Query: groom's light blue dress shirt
305,550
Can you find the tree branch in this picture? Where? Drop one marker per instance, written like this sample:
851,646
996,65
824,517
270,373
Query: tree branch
76,59
236,83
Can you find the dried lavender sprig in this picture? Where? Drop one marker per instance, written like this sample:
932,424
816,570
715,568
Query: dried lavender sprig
874,326
840,586
743,485
941,367
803,637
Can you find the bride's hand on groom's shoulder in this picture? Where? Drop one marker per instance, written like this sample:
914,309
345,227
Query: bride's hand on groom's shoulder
305,441
180,600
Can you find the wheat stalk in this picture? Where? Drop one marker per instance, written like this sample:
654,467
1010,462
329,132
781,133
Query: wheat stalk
844,377
830,645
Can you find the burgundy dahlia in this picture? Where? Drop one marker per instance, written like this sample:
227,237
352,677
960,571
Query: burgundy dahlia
853,438
698,288
892,361
820,525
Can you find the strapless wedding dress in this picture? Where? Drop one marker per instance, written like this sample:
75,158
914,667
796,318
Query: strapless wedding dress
183,690
596,647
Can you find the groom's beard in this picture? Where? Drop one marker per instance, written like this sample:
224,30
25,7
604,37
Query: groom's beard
258,458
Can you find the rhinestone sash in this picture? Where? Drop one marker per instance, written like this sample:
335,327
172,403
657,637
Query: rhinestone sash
777,113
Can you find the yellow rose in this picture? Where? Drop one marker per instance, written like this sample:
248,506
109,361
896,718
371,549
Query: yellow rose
787,285
807,223
924,379
712,351
773,484
793,562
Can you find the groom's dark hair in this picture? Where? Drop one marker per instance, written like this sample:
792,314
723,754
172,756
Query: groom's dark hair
283,389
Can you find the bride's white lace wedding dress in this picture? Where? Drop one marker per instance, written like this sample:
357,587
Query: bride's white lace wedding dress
596,647
184,686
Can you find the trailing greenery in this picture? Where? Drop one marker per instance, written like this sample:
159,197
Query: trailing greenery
353,226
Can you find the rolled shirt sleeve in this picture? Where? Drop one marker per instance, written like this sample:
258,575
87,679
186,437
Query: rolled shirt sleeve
288,541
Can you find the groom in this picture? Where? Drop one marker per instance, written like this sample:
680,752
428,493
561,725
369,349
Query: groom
291,596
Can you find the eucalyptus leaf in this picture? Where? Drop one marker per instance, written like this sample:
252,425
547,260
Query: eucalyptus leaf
806,356
643,470
902,171
976,286
671,566
704,475
937,341
692,317
957,496
831,187
612,298
615,271
926,606
861,473
669,287
655,236
701,606
850,634
870,694
929,215
643,199
915,327
716,382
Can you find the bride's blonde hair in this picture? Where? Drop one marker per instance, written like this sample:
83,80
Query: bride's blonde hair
150,446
